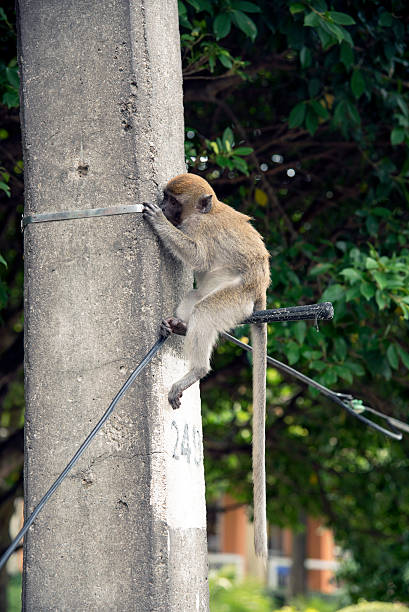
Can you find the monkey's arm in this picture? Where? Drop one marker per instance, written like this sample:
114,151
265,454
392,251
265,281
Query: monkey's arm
182,246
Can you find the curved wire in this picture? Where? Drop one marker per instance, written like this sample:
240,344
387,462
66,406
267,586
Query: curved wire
342,399
148,357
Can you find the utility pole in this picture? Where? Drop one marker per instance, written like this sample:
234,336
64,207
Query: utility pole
102,121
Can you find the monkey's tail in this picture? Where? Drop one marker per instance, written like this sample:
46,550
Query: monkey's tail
259,340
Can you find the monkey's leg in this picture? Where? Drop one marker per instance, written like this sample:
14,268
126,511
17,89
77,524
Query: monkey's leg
178,324
185,308
200,338
217,312
184,383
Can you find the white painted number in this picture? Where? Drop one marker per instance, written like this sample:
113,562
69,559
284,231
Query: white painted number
185,448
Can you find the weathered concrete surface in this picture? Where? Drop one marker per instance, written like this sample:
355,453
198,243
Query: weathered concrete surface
103,125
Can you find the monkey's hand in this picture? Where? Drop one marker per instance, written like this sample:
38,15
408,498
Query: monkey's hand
172,325
152,213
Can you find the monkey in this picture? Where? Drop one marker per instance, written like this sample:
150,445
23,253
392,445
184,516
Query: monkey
230,264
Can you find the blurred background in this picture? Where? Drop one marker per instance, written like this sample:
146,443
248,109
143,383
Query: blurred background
298,114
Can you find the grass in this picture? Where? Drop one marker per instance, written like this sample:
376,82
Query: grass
14,594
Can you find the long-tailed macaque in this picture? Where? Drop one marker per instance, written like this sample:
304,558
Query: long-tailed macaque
231,269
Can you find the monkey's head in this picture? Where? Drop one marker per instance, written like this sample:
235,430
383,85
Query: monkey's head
185,195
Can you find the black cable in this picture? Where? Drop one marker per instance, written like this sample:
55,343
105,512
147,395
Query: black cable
342,399
294,313
279,314
322,312
148,357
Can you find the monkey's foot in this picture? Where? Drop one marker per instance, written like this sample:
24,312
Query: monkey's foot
174,397
172,325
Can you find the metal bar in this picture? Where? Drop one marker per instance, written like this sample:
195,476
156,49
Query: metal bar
68,215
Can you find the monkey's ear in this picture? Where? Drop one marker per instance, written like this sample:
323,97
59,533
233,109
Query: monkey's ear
204,204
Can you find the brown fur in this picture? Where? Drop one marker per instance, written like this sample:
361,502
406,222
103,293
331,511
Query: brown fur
231,267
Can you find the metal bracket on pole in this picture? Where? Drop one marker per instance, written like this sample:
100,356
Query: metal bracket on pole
67,215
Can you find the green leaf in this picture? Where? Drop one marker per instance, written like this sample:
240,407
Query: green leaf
333,293
300,329
340,348
4,187
319,109
355,367
297,7
352,293
344,373
372,225
320,268
245,24
312,20
403,355
183,20
352,275
329,377
320,366
297,115
392,355
347,36
367,290
222,161
225,60
346,55
12,77
398,135
11,99
381,279
205,5
247,7
341,18
308,354
334,30
228,137
382,300
243,151
241,165
371,264
293,352
3,294
3,261
195,4
222,25
352,112
339,114
327,40
402,105
314,86
311,121
305,57
386,19
357,83
380,211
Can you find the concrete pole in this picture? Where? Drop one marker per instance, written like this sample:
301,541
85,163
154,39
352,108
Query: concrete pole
102,124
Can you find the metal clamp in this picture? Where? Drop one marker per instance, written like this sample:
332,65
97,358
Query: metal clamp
68,215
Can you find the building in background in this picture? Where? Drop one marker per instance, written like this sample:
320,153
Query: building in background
231,543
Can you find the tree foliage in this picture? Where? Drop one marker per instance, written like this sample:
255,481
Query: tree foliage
298,113
317,94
